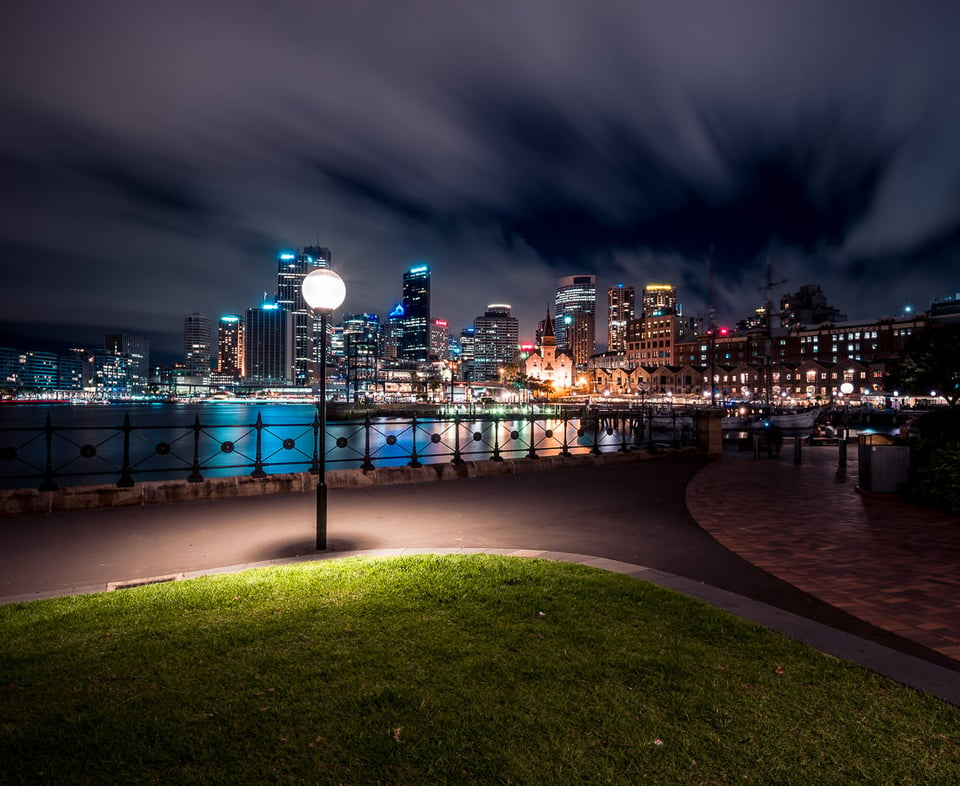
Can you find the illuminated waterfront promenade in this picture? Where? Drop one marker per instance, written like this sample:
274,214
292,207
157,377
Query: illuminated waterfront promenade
786,557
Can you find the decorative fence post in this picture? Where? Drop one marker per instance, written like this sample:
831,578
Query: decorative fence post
414,461
532,452
623,433
258,459
367,458
596,433
566,446
457,458
126,480
195,476
49,484
496,441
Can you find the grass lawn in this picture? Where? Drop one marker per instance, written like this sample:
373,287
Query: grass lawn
435,670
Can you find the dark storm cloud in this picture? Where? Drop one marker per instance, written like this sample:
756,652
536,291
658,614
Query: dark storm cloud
172,148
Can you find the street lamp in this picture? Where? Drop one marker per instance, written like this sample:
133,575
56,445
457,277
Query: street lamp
323,290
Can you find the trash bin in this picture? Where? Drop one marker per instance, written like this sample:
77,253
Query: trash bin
883,464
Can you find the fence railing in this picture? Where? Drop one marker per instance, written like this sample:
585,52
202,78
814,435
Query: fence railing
54,455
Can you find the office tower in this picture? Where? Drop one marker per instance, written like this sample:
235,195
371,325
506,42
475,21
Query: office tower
439,335
392,333
230,338
268,345
415,341
196,345
137,348
468,347
496,335
659,299
620,310
581,338
292,268
361,337
575,295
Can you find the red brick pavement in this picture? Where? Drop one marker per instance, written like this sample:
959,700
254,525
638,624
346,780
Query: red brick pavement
894,565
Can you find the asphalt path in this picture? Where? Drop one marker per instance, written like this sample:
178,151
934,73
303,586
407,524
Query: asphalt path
633,513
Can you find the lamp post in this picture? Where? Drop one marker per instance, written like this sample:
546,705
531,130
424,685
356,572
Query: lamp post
845,390
323,290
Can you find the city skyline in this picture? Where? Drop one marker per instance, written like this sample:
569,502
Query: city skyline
628,142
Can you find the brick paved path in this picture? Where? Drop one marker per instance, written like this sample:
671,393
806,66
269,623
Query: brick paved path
886,562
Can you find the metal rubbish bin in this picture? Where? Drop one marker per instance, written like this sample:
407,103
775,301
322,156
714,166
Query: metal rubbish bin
883,464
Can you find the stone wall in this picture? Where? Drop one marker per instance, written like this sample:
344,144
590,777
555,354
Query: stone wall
22,501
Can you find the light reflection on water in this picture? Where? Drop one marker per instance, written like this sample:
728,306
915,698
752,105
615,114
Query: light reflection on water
89,439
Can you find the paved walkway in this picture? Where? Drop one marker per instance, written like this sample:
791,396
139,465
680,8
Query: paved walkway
872,581
894,565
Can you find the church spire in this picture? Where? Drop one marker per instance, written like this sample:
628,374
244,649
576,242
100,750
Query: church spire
548,331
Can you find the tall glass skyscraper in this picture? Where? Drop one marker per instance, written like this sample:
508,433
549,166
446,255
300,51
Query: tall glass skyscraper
230,336
575,295
620,310
268,355
292,268
496,335
196,345
415,341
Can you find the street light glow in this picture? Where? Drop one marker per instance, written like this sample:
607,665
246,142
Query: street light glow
323,289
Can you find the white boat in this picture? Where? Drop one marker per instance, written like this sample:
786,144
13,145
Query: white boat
799,419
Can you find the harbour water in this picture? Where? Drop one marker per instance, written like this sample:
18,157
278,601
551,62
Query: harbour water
86,444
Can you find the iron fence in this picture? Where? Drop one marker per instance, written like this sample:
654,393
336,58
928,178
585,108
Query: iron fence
54,455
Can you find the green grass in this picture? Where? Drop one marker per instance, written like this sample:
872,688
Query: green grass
435,670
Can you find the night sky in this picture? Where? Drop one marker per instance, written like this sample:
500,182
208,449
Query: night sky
155,157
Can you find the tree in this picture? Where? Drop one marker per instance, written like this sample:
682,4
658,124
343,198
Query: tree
929,363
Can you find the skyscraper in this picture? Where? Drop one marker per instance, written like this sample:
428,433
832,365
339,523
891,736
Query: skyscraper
137,348
292,268
496,334
659,299
230,345
392,335
581,337
620,310
196,345
268,350
415,341
439,339
575,295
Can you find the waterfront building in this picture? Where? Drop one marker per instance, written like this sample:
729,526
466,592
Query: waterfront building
414,343
268,355
37,370
548,365
575,295
70,370
496,336
230,346
107,374
620,310
196,344
137,348
292,268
